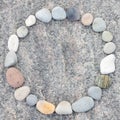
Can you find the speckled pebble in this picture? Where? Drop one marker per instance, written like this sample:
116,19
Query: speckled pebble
84,104
30,21
31,100
98,25
11,59
64,108
58,13
95,92
107,36
73,14
22,32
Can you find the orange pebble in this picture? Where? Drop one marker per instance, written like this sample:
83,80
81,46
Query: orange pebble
45,107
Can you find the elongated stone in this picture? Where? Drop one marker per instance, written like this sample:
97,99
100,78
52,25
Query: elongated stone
30,21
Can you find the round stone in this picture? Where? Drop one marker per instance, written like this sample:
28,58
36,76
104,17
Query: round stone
99,25
44,15
11,59
64,108
30,21
109,48
45,107
13,43
22,32
107,36
31,100
73,14
14,77
84,104
58,13
103,81
87,19
95,92
21,93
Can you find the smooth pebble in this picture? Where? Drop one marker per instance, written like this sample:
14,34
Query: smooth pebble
22,32
30,21
107,36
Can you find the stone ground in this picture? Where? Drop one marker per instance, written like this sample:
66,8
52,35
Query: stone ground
59,60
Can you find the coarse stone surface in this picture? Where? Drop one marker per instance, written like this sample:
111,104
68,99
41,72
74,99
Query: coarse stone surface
59,60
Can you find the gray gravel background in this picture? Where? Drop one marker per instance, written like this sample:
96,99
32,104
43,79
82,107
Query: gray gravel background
59,60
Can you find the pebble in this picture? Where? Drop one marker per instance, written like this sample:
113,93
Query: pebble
58,13
95,92
31,100
13,43
87,19
73,14
11,59
21,93
98,25
45,107
63,108
109,48
22,32
14,77
30,21
84,104
44,15
107,64
107,36
103,81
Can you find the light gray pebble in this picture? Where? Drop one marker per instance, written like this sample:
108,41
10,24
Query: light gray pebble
107,36
30,21
11,59
109,48
31,100
84,104
98,25
95,92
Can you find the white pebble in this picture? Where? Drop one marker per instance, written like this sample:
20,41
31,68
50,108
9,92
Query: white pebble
107,36
30,21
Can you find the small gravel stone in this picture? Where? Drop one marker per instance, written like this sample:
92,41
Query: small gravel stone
13,43
84,104
73,14
21,93
31,100
44,15
11,59
30,21
103,81
45,107
107,64
107,36
95,92
99,25
22,32
14,77
58,13
64,108
109,48
87,19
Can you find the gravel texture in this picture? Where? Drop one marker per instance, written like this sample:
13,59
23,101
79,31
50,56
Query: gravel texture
59,60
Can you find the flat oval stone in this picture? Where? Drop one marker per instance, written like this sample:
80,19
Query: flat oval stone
13,43
58,13
31,100
21,93
98,25
44,15
107,64
109,48
45,107
22,32
87,19
103,81
95,92
11,59
30,21
84,104
73,14
64,108
107,36
14,77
